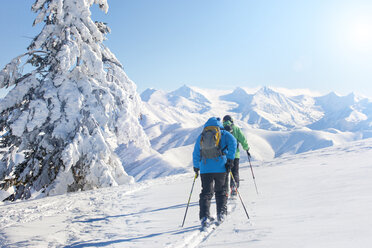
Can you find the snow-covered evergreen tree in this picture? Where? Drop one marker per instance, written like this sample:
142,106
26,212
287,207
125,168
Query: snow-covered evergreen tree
63,120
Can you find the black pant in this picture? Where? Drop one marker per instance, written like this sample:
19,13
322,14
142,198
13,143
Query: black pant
213,183
235,172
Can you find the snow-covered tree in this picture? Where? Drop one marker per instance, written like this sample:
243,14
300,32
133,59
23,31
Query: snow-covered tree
64,118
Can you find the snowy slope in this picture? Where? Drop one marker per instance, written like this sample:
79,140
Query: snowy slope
314,199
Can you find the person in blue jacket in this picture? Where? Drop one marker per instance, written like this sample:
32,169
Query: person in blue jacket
214,172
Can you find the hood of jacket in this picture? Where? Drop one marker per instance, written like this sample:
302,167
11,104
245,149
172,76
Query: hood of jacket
213,121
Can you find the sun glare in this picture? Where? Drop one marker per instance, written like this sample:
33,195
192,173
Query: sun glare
359,33
351,29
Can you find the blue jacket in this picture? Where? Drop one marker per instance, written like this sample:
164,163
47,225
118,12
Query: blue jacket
215,165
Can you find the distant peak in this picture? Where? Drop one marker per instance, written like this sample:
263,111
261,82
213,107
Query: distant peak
239,90
147,93
185,87
149,90
265,90
333,94
354,97
189,93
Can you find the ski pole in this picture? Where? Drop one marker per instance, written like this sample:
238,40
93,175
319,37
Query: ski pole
254,179
188,203
241,200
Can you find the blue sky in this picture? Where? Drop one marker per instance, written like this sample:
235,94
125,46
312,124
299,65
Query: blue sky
323,45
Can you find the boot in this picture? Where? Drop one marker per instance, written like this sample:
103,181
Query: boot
221,217
206,221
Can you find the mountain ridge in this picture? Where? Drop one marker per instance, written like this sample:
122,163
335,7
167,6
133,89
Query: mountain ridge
276,122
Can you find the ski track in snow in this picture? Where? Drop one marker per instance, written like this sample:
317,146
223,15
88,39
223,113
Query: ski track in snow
198,237
92,219
84,215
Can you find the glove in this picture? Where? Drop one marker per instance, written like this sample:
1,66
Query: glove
229,164
196,171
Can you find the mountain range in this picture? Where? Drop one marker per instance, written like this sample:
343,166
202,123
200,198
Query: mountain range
276,121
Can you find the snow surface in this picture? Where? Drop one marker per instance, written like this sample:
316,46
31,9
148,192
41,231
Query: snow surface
314,199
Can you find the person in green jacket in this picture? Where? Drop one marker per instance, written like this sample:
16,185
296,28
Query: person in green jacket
228,124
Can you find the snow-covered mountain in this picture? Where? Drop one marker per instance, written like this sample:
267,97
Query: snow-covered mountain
344,113
271,110
184,98
276,121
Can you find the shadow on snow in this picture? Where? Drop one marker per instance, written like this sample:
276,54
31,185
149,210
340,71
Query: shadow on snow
94,243
137,213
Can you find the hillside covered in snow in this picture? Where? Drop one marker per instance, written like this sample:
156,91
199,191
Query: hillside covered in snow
315,199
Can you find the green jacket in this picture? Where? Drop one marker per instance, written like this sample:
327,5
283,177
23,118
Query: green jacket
239,136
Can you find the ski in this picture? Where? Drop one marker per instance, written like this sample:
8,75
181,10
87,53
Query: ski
232,197
209,228
212,226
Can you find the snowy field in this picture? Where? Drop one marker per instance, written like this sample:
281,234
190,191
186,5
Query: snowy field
314,199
